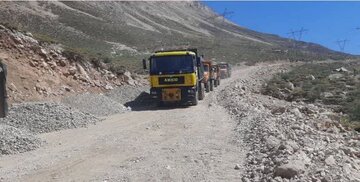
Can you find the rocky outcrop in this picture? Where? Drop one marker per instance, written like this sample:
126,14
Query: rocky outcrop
46,68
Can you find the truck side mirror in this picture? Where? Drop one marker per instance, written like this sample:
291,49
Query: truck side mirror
144,64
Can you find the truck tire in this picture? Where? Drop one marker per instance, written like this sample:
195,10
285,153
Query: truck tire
201,91
196,100
207,86
212,85
215,83
218,81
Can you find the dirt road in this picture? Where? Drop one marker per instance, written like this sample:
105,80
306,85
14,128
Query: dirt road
178,144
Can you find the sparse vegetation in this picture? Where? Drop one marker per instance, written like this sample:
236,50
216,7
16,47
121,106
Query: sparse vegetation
45,38
321,83
88,31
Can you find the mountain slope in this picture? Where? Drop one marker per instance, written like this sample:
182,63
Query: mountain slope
128,31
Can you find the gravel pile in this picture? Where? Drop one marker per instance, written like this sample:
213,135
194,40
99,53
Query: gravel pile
290,141
14,140
127,93
96,104
46,117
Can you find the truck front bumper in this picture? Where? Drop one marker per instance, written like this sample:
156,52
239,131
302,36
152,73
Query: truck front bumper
188,94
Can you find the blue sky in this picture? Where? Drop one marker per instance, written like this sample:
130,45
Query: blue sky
327,22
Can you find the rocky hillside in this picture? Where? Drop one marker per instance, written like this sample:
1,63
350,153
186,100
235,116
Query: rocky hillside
125,32
289,141
38,70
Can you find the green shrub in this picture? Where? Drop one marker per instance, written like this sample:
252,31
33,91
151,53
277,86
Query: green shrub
45,38
345,91
354,110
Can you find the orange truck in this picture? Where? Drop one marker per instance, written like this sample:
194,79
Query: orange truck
225,70
211,76
215,74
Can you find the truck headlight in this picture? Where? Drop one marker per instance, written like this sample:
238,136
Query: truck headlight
191,91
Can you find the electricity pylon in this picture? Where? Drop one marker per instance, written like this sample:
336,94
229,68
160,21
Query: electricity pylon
342,44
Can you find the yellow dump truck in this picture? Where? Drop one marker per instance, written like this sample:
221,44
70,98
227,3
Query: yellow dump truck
176,76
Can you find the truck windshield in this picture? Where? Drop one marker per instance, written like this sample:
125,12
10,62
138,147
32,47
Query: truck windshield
206,68
223,66
171,64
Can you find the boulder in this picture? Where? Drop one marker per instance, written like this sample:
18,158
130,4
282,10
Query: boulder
330,160
29,34
43,53
81,70
290,86
341,69
127,76
278,110
272,142
109,87
327,94
62,62
33,63
290,170
72,70
335,76
296,112
311,77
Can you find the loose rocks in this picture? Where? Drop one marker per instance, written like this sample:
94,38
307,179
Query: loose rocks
96,104
289,141
13,140
46,117
290,170
126,93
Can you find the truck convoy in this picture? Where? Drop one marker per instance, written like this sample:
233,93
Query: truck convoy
181,76
176,76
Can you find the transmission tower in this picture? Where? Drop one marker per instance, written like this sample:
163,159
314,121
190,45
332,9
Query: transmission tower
226,13
220,37
342,44
297,34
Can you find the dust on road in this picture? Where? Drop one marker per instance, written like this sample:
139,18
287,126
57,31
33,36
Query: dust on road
178,144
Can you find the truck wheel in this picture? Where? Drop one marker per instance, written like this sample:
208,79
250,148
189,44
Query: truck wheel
212,85
215,83
201,91
196,100
207,86
218,81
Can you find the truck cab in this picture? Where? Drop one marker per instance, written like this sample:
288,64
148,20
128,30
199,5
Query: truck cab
225,70
215,76
207,72
176,76
210,75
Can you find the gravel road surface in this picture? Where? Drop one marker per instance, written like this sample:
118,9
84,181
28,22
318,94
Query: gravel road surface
185,143
235,134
